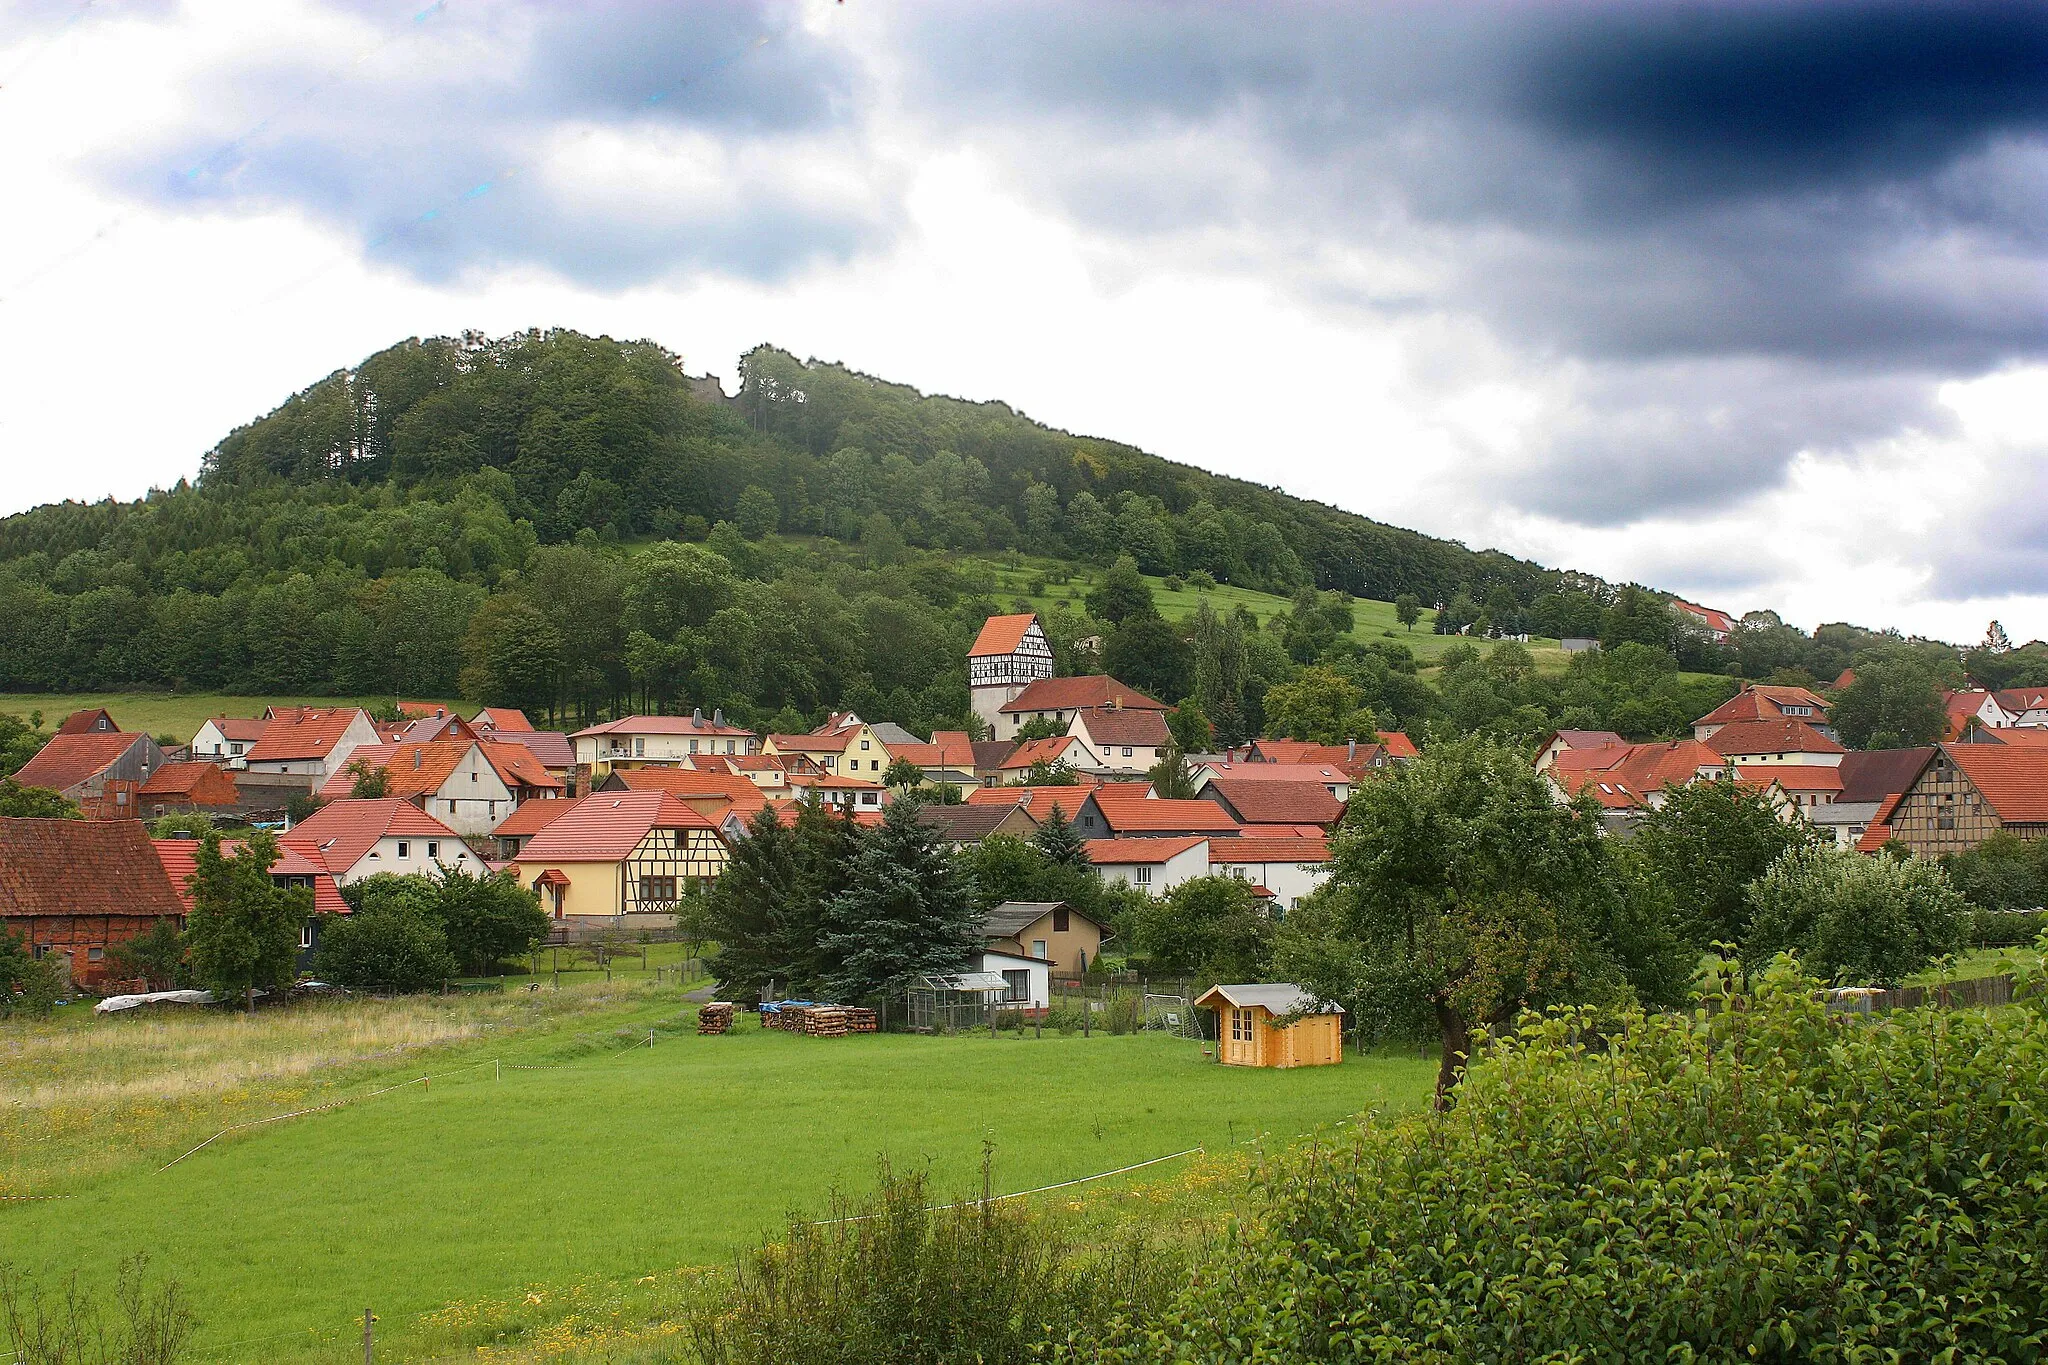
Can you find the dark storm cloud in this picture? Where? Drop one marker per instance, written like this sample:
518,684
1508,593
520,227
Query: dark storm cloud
427,150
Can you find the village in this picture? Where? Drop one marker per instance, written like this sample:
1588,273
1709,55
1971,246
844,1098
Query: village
613,826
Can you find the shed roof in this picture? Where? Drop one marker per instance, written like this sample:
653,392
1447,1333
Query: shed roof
1012,917
531,817
182,779
502,719
1280,997
180,858
69,759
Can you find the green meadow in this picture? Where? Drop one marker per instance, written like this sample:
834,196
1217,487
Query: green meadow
178,714
556,1157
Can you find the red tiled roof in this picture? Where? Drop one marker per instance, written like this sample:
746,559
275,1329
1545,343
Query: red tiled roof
834,743
2019,736
787,812
1126,725
517,765
2013,779
1961,707
1878,832
1278,803
1048,750
1281,832
241,729
1037,801
1620,779
1763,701
1242,850
180,858
693,785
957,748
341,832
1078,694
551,747
1128,807
68,760
1000,635
1322,774
1585,739
1105,852
184,779
88,723
81,867
663,725
1398,744
531,817
299,733
502,719
2019,699
1770,737
1713,617
1793,777
1843,680
607,826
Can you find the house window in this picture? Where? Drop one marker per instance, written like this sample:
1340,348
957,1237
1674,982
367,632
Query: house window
1017,984
433,848
654,888
1127,751
1144,876
639,748
95,954
403,848
728,746
1059,919
451,805
306,935
865,745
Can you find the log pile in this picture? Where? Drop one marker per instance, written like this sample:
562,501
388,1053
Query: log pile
715,1017
824,1021
859,1020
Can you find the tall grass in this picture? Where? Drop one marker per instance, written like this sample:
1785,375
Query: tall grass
81,1096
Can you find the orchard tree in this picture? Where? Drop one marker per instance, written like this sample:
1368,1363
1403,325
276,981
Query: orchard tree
1321,706
1211,926
1124,594
1852,918
1462,893
243,932
1408,609
396,944
1707,843
487,918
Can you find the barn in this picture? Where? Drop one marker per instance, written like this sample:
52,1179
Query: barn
1253,1028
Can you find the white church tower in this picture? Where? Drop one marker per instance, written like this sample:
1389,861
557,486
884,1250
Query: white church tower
1008,656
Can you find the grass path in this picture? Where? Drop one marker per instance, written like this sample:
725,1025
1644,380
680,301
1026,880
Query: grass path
615,1165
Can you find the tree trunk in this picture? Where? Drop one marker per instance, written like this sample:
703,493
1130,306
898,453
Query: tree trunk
249,1000
1456,1032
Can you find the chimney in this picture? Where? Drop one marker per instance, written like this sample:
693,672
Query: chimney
697,716
415,759
718,716
1351,752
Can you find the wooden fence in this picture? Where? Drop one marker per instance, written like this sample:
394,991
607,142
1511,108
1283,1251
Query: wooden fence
1980,991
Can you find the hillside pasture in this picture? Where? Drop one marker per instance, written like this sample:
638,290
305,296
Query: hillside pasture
555,1151
178,714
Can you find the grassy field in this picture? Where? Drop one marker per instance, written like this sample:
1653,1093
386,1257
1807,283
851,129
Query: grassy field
496,1198
178,714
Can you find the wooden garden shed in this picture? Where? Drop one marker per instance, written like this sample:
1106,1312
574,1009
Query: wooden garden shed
1252,1026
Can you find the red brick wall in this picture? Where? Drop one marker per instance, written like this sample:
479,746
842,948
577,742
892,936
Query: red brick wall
78,936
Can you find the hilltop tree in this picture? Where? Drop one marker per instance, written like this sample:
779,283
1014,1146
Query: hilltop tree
906,911
1408,609
243,932
1123,595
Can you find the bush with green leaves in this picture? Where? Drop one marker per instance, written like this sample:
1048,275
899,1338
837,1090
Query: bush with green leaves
1853,919
2002,873
2007,928
393,941
891,1279
1769,1182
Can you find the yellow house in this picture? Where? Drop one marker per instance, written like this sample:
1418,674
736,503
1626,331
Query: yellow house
1250,1031
845,746
1050,930
617,854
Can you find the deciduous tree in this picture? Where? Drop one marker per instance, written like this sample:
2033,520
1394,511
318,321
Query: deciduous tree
243,932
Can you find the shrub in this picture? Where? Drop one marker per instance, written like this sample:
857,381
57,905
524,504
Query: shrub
394,945
150,1324
2007,928
1854,919
890,1279
1771,1182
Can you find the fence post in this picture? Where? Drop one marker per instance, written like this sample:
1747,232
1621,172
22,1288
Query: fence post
369,1341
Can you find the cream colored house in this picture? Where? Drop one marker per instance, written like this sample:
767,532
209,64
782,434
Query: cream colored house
635,741
844,746
618,855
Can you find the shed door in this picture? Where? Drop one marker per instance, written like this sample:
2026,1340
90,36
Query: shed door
1242,1043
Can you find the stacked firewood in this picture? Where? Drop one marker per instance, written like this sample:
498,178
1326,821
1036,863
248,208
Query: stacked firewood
824,1021
859,1020
715,1017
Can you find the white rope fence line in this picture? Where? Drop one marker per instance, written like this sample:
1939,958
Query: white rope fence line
316,1109
1019,1194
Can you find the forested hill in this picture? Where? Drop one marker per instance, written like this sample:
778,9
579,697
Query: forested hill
601,434
472,516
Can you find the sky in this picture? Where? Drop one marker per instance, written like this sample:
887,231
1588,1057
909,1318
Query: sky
1744,301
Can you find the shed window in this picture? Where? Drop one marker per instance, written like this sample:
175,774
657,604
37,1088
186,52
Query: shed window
1017,984
1240,1026
306,934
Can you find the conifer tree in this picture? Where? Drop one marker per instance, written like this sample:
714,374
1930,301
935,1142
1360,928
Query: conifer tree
745,909
906,912
826,843
1059,841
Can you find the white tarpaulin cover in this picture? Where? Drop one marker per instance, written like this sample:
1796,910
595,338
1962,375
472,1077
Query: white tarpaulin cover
129,1002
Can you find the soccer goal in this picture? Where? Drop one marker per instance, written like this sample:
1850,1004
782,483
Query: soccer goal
1171,1014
